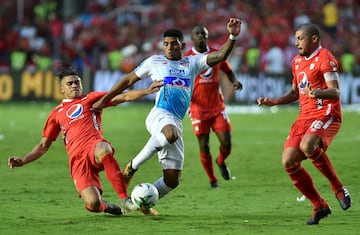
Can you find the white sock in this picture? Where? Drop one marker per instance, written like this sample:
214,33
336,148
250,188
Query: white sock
162,187
154,144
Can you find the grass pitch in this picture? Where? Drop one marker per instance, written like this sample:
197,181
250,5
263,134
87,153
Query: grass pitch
40,198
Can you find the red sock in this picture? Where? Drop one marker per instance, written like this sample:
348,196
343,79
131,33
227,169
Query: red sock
206,161
303,182
322,163
114,175
101,209
223,154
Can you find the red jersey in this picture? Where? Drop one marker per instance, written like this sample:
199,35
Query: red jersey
207,97
78,125
311,71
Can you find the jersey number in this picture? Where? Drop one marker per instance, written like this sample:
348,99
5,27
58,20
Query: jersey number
316,125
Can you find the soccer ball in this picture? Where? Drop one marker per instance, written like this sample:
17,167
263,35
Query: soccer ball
145,195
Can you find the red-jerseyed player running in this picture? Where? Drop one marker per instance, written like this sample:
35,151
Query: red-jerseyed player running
316,85
88,151
207,108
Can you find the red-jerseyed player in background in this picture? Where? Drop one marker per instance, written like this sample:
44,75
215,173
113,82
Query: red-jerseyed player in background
207,108
88,151
316,85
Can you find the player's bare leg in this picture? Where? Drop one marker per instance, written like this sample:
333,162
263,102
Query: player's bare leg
206,159
224,152
94,202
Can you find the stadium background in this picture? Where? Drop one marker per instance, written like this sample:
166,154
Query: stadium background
105,39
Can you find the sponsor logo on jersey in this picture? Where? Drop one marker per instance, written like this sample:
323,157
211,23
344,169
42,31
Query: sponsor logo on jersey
74,111
302,81
177,82
177,72
207,73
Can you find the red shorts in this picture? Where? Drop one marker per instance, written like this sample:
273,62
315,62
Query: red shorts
325,128
84,169
219,122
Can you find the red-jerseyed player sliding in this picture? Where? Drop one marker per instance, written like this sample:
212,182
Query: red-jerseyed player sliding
88,151
316,85
207,108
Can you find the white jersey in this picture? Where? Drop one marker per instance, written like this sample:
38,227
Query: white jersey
178,77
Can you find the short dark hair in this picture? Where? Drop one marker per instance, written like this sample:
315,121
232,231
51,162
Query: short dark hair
174,33
64,71
310,29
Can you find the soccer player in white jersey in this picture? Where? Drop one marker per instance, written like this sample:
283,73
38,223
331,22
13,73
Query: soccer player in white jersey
164,122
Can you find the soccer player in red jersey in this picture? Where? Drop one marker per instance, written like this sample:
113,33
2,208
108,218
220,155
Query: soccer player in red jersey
316,85
207,108
88,151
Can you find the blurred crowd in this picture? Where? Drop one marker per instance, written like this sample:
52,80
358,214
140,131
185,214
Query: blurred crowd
118,34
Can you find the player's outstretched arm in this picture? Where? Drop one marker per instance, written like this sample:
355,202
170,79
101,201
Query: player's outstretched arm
119,87
287,98
265,101
137,94
233,27
34,154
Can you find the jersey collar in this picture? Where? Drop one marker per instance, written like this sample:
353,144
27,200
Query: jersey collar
197,52
314,53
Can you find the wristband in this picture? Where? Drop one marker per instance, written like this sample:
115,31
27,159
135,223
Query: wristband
232,37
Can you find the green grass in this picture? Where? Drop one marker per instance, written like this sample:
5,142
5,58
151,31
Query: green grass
40,198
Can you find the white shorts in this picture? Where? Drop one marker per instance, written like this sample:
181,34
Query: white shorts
172,155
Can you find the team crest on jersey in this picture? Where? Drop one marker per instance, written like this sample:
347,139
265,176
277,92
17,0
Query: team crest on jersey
312,66
185,62
333,66
74,111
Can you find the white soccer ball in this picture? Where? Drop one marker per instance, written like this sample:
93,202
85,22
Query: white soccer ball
145,195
